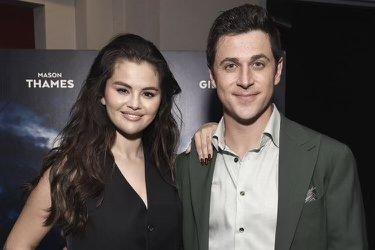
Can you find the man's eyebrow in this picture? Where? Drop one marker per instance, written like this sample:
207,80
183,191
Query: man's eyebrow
252,59
259,56
229,59
130,87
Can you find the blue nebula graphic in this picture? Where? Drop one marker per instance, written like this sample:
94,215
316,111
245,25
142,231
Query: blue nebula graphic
25,139
24,123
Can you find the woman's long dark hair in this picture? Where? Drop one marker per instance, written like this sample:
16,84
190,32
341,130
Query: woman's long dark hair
78,166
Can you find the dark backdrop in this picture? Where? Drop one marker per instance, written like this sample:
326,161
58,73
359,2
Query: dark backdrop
330,74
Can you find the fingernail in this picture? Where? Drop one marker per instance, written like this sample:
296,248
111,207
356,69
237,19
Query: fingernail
205,161
209,156
202,161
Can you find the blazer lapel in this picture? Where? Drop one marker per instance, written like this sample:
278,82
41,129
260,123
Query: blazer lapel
297,158
200,182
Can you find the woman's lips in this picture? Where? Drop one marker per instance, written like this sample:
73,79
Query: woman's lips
131,116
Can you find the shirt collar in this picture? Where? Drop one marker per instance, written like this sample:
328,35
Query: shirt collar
272,131
273,126
218,137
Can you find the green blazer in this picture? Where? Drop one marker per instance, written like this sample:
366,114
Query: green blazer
307,159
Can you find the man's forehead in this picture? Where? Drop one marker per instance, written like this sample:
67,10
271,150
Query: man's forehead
245,44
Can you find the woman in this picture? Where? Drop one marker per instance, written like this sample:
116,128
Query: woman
109,184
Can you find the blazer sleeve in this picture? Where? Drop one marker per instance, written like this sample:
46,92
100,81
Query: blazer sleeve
346,227
180,168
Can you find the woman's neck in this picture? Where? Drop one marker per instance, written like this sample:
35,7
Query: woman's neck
127,147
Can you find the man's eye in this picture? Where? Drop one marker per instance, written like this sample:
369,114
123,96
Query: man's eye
122,91
230,67
258,65
148,94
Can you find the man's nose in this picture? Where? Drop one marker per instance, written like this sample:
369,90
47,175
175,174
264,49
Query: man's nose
245,79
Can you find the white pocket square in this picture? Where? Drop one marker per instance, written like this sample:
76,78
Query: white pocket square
311,195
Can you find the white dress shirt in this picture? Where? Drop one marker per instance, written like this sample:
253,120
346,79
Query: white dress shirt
244,192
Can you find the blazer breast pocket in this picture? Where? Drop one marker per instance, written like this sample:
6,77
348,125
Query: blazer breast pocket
314,207
311,229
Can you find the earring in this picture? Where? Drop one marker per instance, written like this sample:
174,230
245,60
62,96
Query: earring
102,101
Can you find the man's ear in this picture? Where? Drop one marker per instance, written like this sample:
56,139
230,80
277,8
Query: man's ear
279,71
102,100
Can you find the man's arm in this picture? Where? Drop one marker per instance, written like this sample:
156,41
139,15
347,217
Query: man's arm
346,227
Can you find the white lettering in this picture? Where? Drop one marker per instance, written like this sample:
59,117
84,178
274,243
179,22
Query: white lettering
45,84
54,83
203,84
63,84
54,75
29,81
70,84
49,83
37,83
207,84
50,75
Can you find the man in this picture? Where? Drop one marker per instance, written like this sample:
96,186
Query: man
271,183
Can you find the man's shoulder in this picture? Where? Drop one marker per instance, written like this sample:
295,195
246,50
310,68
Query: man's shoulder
325,142
185,156
182,158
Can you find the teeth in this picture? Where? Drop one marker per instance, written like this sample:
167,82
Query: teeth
132,116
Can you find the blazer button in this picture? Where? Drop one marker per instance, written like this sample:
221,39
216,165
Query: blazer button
241,229
150,228
235,159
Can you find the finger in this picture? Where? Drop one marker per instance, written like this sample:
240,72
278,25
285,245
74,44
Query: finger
210,147
198,145
204,139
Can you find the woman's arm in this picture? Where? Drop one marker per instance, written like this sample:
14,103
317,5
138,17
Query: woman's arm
29,228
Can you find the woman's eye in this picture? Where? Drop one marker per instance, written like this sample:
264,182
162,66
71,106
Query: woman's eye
122,91
230,67
148,94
